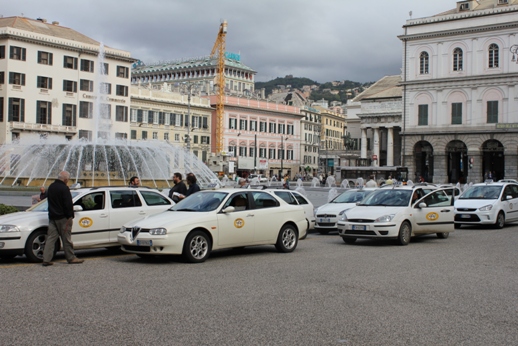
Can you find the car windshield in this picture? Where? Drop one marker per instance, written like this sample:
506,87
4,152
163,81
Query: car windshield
388,198
482,192
200,202
351,196
44,205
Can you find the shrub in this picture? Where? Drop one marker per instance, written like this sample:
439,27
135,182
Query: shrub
7,209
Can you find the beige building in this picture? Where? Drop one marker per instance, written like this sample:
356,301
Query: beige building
53,80
332,132
160,115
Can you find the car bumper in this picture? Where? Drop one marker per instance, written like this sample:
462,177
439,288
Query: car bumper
368,230
480,218
11,242
328,223
169,244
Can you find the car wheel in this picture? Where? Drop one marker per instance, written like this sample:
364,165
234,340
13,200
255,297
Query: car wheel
35,245
288,239
196,248
349,240
323,231
457,225
405,232
500,220
443,235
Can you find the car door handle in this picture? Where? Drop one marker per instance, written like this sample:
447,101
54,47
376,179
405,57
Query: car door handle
445,211
142,212
250,215
103,216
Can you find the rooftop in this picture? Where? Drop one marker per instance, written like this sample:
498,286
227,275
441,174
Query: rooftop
386,87
187,64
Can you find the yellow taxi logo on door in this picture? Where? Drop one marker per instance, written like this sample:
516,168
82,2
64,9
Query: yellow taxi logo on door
433,216
238,223
86,222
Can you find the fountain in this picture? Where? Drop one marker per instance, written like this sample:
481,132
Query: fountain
330,181
102,161
300,188
315,182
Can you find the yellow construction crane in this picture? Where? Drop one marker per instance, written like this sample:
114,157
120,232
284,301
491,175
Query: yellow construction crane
219,46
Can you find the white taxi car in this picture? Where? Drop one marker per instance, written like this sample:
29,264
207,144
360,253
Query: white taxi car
216,219
327,215
399,212
488,204
99,214
296,198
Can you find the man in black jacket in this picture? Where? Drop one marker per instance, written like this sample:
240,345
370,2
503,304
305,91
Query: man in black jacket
61,216
179,187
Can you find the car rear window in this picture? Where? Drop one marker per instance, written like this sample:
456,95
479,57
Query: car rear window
153,198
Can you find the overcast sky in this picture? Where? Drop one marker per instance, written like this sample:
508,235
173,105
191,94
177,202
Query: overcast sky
323,40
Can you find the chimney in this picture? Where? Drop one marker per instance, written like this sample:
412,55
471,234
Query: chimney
55,22
43,20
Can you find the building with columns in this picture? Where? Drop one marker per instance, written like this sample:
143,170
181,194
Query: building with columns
460,113
53,79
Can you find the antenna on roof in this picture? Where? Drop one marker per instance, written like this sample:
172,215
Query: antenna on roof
410,14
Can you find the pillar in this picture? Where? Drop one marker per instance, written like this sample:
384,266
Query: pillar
376,147
390,146
363,153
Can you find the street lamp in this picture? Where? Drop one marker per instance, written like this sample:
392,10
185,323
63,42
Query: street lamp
255,153
282,155
189,86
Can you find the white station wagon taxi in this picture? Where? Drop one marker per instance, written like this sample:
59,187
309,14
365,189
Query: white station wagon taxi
399,213
217,219
99,214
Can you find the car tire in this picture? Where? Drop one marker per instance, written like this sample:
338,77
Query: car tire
323,231
405,232
197,247
35,245
443,235
287,239
500,220
457,226
349,240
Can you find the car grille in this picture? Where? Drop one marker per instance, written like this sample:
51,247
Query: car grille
136,248
360,232
326,224
472,218
326,215
360,220
466,209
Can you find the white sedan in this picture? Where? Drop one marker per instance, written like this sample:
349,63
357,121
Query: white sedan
99,214
217,219
399,213
327,215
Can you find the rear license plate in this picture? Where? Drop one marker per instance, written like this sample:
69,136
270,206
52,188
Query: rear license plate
144,242
465,216
359,228
324,220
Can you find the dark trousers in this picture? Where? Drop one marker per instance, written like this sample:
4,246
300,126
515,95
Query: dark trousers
61,228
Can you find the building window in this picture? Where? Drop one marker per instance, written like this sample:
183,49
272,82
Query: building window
44,82
43,112
271,153
253,125
86,85
161,118
243,124
242,151
493,56
272,128
16,78
86,109
492,112
144,134
17,53
1,109
69,86
289,154
85,134
121,113
457,59
2,52
106,88
2,77
262,126
70,62
195,139
105,111
424,63
133,134
422,115
262,152
121,90
155,135
16,110
280,154
87,65
44,58
69,114
232,123
150,117
456,113
104,68
166,136
121,135
252,152
291,130
122,72
177,137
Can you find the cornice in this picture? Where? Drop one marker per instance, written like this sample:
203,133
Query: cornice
477,80
229,108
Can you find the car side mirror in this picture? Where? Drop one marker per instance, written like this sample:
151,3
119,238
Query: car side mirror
358,203
422,205
508,197
229,209
78,208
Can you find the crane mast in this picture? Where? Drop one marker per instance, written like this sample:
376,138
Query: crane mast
219,46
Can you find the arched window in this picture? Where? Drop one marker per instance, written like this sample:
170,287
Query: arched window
424,63
457,59
493,56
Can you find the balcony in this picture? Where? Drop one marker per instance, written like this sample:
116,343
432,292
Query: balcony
43,128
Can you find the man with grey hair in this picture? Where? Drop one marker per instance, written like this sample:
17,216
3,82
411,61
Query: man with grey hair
61,216
243,184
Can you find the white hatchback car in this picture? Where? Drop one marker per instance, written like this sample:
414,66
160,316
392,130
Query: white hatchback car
217,219
327,215
296,198
487,204
99,214
399,213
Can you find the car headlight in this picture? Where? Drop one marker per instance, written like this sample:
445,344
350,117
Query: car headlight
157,231
9,228
385,218
486,207
344,216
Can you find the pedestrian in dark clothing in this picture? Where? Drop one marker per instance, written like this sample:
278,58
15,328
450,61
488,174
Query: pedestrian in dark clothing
61,216
178,189
193,187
